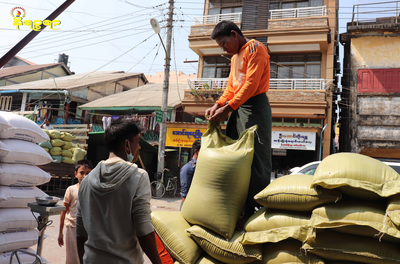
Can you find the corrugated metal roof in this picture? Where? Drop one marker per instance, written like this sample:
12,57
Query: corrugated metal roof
23,70
149,95
74,82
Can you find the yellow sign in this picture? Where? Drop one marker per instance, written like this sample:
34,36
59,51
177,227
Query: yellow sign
18,14
183,137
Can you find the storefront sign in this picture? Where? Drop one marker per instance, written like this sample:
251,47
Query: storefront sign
279,152
183,137
18,14
293,140
159,116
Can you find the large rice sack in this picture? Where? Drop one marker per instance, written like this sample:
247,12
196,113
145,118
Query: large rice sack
66,136
18,196
170,228
78,154
13,240
345,247
3,149
25,152
393,209
23,257
56,142
22,175
227,251
203,259
13,219
287,252
293,192
46,144
221,180
67,145
66,153
357,176
269,225
22,129
364,218
56,151
54,134
3,122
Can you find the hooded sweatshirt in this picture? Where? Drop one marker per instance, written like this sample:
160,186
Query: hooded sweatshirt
114,209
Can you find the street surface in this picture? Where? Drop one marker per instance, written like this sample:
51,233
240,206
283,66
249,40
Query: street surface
56,255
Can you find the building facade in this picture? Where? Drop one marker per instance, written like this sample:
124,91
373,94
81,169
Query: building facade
301,37
370,105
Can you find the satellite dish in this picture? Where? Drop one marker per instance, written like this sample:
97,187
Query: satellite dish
154,24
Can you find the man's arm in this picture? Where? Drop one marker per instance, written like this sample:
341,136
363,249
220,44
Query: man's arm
41,126
81,234
149,246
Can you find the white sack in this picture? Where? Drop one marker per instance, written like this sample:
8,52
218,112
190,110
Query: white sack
10,241
3,122
3,149
22,129
22,175
15,219
25,152
18,196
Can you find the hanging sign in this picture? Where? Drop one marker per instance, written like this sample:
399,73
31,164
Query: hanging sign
183,137
159,116
293,140
18,14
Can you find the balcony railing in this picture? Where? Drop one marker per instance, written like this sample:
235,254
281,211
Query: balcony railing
281,84
213,19
297,84
298,12
207,83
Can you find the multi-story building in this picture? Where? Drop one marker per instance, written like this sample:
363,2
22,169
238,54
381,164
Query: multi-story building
301,37
370,104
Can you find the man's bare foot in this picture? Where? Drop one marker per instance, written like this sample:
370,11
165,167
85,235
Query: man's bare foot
247,212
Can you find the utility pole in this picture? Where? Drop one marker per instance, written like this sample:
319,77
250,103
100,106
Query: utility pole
164,107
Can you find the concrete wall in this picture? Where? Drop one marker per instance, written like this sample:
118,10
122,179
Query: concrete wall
297,23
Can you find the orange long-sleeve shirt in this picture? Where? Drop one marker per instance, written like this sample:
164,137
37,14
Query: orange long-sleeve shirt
249,76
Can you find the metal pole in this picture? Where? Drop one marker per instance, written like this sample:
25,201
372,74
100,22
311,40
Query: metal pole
20,45
164,107
320,142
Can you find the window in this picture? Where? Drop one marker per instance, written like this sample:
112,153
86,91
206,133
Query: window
378,80
217,7
294,4
296,66
216,67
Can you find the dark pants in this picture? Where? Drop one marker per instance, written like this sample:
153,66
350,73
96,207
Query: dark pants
255,111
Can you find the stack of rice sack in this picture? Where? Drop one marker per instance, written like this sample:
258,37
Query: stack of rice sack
19,176
204,231
61,149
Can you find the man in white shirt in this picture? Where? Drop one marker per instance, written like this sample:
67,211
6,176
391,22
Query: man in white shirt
46,125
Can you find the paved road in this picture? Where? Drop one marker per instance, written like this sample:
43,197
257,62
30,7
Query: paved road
56,255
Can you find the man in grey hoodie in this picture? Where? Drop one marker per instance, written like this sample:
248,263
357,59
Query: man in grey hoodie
114,204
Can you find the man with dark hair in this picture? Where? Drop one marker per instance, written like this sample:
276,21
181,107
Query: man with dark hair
114,204
246,101
187,171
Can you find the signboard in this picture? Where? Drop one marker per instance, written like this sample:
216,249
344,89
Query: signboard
183,137
293,140
159,116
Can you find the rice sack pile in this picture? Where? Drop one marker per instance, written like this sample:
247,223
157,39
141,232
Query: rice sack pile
19,176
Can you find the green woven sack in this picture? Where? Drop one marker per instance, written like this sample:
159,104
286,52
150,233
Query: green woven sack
393,209
79,154
66,136
204,259
357,176
269,225
287,252
66,153
364,218
56,142
56,151
221,180
67,145
170,227
226,251
57,159
54,134
331,245
46,144
293,192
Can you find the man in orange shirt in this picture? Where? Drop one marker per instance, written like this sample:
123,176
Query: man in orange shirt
246,101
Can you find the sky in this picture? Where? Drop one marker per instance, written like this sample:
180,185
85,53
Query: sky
104,35
110,35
